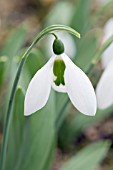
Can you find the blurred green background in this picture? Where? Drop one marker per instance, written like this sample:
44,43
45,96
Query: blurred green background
57,137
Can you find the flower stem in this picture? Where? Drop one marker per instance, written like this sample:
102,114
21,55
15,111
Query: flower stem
54,35
9,113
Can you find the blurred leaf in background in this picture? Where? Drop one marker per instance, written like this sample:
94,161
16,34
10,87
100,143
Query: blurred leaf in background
81,16
16,130
11,48
60,13
75,125
14,42
88,158
3,68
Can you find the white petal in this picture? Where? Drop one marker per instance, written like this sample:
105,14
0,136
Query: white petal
107,56
108,31
79,88
39,89
104,90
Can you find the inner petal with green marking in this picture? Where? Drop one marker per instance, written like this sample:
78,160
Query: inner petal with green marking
58,70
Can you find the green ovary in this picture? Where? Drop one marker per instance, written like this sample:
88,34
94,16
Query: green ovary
58,70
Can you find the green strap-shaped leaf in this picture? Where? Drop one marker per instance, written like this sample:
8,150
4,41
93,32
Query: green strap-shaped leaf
76,125
80,19
33,63
16,131
88,158
31,139
38,139
87,50
14,42
3,67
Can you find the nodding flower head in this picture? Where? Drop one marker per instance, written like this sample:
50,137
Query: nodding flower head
64,76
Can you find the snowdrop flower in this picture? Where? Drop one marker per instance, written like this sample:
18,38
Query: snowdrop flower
68,41
64,76
104,90
108,54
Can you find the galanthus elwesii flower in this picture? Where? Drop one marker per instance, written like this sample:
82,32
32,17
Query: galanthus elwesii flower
104,90
62,75
107,33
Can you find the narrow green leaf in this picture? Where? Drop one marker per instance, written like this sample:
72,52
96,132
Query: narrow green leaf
86,50
31,139
76,125
61,7
3,67
103,13
62,103
88,158
14,42
80,19
34,62
38,139
16,131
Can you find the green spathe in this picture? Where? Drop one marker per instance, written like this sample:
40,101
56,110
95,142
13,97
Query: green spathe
58,47
58,70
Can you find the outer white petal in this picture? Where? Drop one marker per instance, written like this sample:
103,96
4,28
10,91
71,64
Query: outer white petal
79,88
108,54
108,29
104,90
39,89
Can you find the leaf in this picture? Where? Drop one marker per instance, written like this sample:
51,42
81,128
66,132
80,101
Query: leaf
61,7
103,13
76,125
38,139
62,103
34,62
31,140
87,50
14,42
3,67
88,158
80,19
16,130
